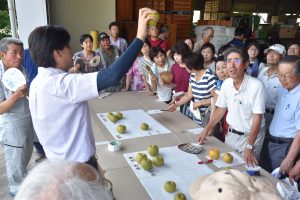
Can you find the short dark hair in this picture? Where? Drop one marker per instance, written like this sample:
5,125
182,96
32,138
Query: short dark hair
113,24
181,48
293,43
220,58
84,36
222,49
44,40
154,51
239,50
208,45
294,60
254,43
194,61
239,31
148,43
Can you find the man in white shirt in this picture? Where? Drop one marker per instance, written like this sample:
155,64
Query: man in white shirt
269,77
244,98
114,37
58,100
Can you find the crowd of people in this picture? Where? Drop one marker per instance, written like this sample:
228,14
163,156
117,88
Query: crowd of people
252,95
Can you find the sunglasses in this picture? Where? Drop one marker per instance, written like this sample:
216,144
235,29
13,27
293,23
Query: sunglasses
236,61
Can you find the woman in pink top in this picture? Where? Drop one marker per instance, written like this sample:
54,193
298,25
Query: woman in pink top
181,75
134,80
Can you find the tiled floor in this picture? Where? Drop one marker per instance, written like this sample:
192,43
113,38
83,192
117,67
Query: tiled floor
4,192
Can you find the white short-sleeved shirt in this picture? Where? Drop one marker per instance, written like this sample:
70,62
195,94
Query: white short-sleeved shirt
164,93
286,120
120,43
242,103
60,114
271,84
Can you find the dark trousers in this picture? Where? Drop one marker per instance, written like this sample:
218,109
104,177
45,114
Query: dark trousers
93,162
39,148
273,152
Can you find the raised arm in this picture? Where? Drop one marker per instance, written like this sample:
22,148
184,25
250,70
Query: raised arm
118,69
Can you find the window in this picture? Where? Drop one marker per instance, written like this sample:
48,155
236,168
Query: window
263,17
196,16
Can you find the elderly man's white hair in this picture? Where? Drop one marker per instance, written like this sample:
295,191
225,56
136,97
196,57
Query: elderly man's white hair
206,29
60,180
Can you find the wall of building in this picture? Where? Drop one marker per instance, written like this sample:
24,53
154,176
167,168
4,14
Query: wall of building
80,17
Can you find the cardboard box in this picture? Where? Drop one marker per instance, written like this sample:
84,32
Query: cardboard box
276,19
286,32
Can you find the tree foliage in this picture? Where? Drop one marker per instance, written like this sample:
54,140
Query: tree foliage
4,24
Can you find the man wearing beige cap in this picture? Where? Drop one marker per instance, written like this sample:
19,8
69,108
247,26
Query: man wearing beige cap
232,185
269,77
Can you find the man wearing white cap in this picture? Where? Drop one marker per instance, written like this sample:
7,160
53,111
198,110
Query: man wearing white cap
269,77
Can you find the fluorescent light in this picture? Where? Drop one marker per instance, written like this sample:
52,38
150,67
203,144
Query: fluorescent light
287,14
254,13
294,14
235,12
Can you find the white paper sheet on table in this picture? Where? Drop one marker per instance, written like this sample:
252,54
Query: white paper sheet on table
195,130
103,95
180,167
155,111
132,119
220,163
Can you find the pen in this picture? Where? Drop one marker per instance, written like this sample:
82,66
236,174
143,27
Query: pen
164,110
206,162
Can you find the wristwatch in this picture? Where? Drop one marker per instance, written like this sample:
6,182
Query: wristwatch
249,146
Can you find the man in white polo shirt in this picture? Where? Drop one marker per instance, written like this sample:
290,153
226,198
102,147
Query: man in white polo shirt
244,98
284,139
269,77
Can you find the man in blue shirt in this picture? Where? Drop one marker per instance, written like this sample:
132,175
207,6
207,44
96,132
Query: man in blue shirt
238,39
283,145
31,71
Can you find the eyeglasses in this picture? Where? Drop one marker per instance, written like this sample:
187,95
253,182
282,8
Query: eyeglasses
285,76
236,61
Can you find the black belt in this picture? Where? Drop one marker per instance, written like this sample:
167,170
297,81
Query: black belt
270,110
235,131
279,140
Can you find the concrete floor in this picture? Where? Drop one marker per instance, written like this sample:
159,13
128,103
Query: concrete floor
4,191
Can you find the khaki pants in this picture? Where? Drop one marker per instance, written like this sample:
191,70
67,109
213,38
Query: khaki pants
239,142
17,146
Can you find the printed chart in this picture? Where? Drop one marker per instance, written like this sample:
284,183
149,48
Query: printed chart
180,167
133,119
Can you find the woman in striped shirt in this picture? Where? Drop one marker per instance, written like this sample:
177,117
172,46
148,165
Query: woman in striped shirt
202,86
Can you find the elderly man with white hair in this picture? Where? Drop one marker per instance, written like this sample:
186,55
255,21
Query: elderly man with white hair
60,180
16,129
207,36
